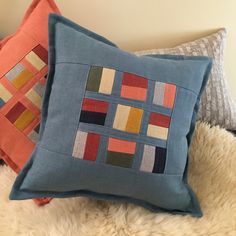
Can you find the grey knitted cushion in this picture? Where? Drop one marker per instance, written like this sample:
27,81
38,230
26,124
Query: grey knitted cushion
217,106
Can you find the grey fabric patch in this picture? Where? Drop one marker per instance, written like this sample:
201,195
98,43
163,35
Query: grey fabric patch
79,145
159,93
14,71
148,158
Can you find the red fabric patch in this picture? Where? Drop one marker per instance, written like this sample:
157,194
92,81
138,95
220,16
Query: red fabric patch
91,147
134,80
159,120
15,112
42,53
94,105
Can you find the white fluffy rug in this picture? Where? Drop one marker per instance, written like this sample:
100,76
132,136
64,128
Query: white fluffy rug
212,174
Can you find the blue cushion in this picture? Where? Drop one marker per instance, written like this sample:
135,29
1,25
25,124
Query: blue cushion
114,126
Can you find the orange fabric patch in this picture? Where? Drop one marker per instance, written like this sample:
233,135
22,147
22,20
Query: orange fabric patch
134,93
169,99
118,145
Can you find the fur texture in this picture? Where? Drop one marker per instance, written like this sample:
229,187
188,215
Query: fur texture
211,174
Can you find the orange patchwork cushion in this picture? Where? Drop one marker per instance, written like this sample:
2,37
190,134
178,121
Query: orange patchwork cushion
23,68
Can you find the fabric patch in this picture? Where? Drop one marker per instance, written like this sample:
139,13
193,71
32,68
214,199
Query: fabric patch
38,57
5,95
20,116
19,76
34,134
164,94
154,159
120,152
128,118
35,94
100,80
14,72
42,53
158,125
94,111
39,88
134,87
86,146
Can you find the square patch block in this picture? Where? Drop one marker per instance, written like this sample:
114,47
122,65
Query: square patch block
86,146
158,126
94,111
35,94
154,159
20,116
164,94
38,57
128,118
120,152
19,75
134,87
100,80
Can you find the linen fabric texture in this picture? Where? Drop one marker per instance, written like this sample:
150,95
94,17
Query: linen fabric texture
217,106
114,126
23,68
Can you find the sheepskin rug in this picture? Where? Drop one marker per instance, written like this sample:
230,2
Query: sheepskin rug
212,175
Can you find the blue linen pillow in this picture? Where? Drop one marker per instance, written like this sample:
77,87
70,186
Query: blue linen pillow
114,126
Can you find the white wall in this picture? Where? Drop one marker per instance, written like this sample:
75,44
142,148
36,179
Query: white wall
143,24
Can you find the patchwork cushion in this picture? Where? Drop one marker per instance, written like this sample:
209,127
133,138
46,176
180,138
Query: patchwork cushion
217,106
114,126
24,65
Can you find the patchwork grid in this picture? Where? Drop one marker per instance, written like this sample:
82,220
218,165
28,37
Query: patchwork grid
129,110
21,92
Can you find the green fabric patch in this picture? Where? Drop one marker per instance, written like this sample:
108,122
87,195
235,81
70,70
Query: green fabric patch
94,78
119,159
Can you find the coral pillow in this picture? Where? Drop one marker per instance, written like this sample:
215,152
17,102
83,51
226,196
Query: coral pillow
23,67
